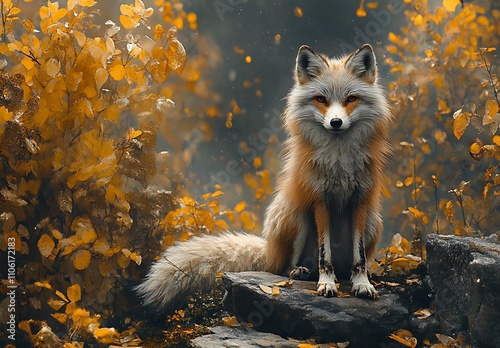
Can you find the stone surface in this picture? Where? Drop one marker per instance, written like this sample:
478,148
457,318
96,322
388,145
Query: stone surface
224,336
465,276
299,313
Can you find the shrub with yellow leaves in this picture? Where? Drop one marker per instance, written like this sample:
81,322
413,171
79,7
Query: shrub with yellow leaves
82,99
443,66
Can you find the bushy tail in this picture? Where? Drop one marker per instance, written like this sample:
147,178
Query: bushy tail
192,265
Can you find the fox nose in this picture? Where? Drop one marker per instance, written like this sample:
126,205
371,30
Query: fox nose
336,122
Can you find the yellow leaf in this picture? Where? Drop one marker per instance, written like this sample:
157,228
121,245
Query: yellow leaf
496,140
360,12
116,70
101,76
408,181
386,192
28,63
298,12
475,148
452,47
423,313
491,107
404,337
44,284
275,291
82,259
426,148
127,22
176,56
240,206
267,289
136,258
222,224
257,162
86,3
394,38
57,235
45,245
52,67
217,193
74,293
231,321
5,115
60,317
460,125
285,284
106,335
62,296
418,214
483,20
56,304
450,5
132,133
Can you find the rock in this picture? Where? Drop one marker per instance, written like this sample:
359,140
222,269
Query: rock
465,276
299,313
242,337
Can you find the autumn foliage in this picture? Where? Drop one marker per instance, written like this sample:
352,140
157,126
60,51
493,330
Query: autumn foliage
445,92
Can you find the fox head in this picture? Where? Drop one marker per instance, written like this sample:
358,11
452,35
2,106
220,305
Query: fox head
339,93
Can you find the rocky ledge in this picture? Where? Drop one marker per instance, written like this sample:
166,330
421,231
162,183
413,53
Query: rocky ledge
464,274
465,277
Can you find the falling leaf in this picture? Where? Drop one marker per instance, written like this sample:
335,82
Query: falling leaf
240,206
298,12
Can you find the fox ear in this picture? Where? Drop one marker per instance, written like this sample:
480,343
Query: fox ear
309,64
363,63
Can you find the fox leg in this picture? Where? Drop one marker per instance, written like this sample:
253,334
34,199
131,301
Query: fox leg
300,272
361,286
326,282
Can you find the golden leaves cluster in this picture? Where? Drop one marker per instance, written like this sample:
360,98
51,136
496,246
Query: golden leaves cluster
81,100
445,88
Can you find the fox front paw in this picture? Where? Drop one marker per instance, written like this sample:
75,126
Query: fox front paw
364,290
327,289
300,273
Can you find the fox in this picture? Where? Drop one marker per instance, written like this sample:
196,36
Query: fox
324,219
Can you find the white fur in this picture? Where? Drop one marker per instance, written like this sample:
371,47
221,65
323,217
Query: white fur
336,111
361,286
326,285
193,265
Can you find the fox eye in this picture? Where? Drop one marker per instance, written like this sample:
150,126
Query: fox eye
320,99
351,98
